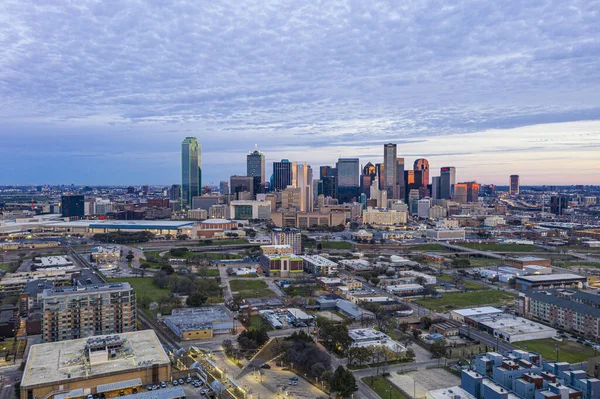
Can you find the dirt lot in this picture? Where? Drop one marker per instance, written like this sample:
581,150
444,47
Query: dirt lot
421,381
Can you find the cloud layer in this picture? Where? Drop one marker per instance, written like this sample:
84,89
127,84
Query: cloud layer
91,89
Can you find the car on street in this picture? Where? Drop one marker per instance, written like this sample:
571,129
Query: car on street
204,391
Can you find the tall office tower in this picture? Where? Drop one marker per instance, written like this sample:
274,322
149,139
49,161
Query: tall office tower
282,174
558,204
295,174
175,192
224,187
348,179
240,184
72,312
145,190
380,175
255,167
466,192
389,166
191,170
436,187
368,177
329,177
514,184
72,206
422,165
317,190
400,185
306,187
447,182
291,198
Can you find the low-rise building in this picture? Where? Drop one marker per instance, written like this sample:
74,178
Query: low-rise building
384,217
319,265
540,282
523,261
460,315
405,289
304,220
445,234
54,262
510,328
100,364
369,337
217,228
199,323
250,209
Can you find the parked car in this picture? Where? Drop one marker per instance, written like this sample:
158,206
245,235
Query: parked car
188,380
175,383
204,391
181,382
163,384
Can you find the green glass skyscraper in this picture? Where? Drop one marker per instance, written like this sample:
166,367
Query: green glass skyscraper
191,170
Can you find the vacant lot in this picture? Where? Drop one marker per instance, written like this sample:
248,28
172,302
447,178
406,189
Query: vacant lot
337,245
250,289
429,247
503,247
418,383
568,351
482,262
578,264
468,285
466,300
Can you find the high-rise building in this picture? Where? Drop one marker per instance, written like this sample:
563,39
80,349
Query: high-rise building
240,184
348,179
305,184
514,184
73,312
329,178
436,187
400,186
380,175
389,166
73,206
368,177
175,192
466,192
255,167
287,236
447,182
191,170
422,165
558,204
224,187
282,174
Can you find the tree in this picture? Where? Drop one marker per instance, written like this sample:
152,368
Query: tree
196,300
438,348
404,327
343,382
421,280
130,256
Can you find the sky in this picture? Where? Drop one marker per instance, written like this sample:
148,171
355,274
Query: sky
103,92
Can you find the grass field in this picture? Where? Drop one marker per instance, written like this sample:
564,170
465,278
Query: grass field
467,299
3,266
576,264
251,288
382,387
223,242
482,262
142,285
153,257
469,285
212,273
337,245
430,247
503,247
568,351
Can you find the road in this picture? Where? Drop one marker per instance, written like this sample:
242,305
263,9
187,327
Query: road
486,339
487,254
9,375
227,295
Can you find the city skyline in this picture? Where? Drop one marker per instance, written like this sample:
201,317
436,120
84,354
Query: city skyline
91,97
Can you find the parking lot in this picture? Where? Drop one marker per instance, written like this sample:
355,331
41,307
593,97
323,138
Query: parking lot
417,383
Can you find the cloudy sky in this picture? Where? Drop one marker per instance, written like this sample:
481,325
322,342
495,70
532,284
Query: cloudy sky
99,92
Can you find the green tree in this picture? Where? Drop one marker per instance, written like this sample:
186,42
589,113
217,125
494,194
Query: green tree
343,382
196,300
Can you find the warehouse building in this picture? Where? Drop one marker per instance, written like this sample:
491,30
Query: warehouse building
510,328
199,323
540,282
103,364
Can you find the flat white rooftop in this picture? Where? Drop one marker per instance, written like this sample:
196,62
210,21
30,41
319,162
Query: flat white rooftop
477,311
57,361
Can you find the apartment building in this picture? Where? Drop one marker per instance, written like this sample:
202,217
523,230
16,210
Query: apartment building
571,310
79,312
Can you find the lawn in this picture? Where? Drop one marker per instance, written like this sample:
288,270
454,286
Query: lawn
466,300
430,247
382,387
337,245
4,266
251,289
256,322
143,285
568,351
468,285
300,290
503,247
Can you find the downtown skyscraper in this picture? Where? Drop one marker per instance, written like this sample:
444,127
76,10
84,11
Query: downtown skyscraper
191,170
255,167
389,168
